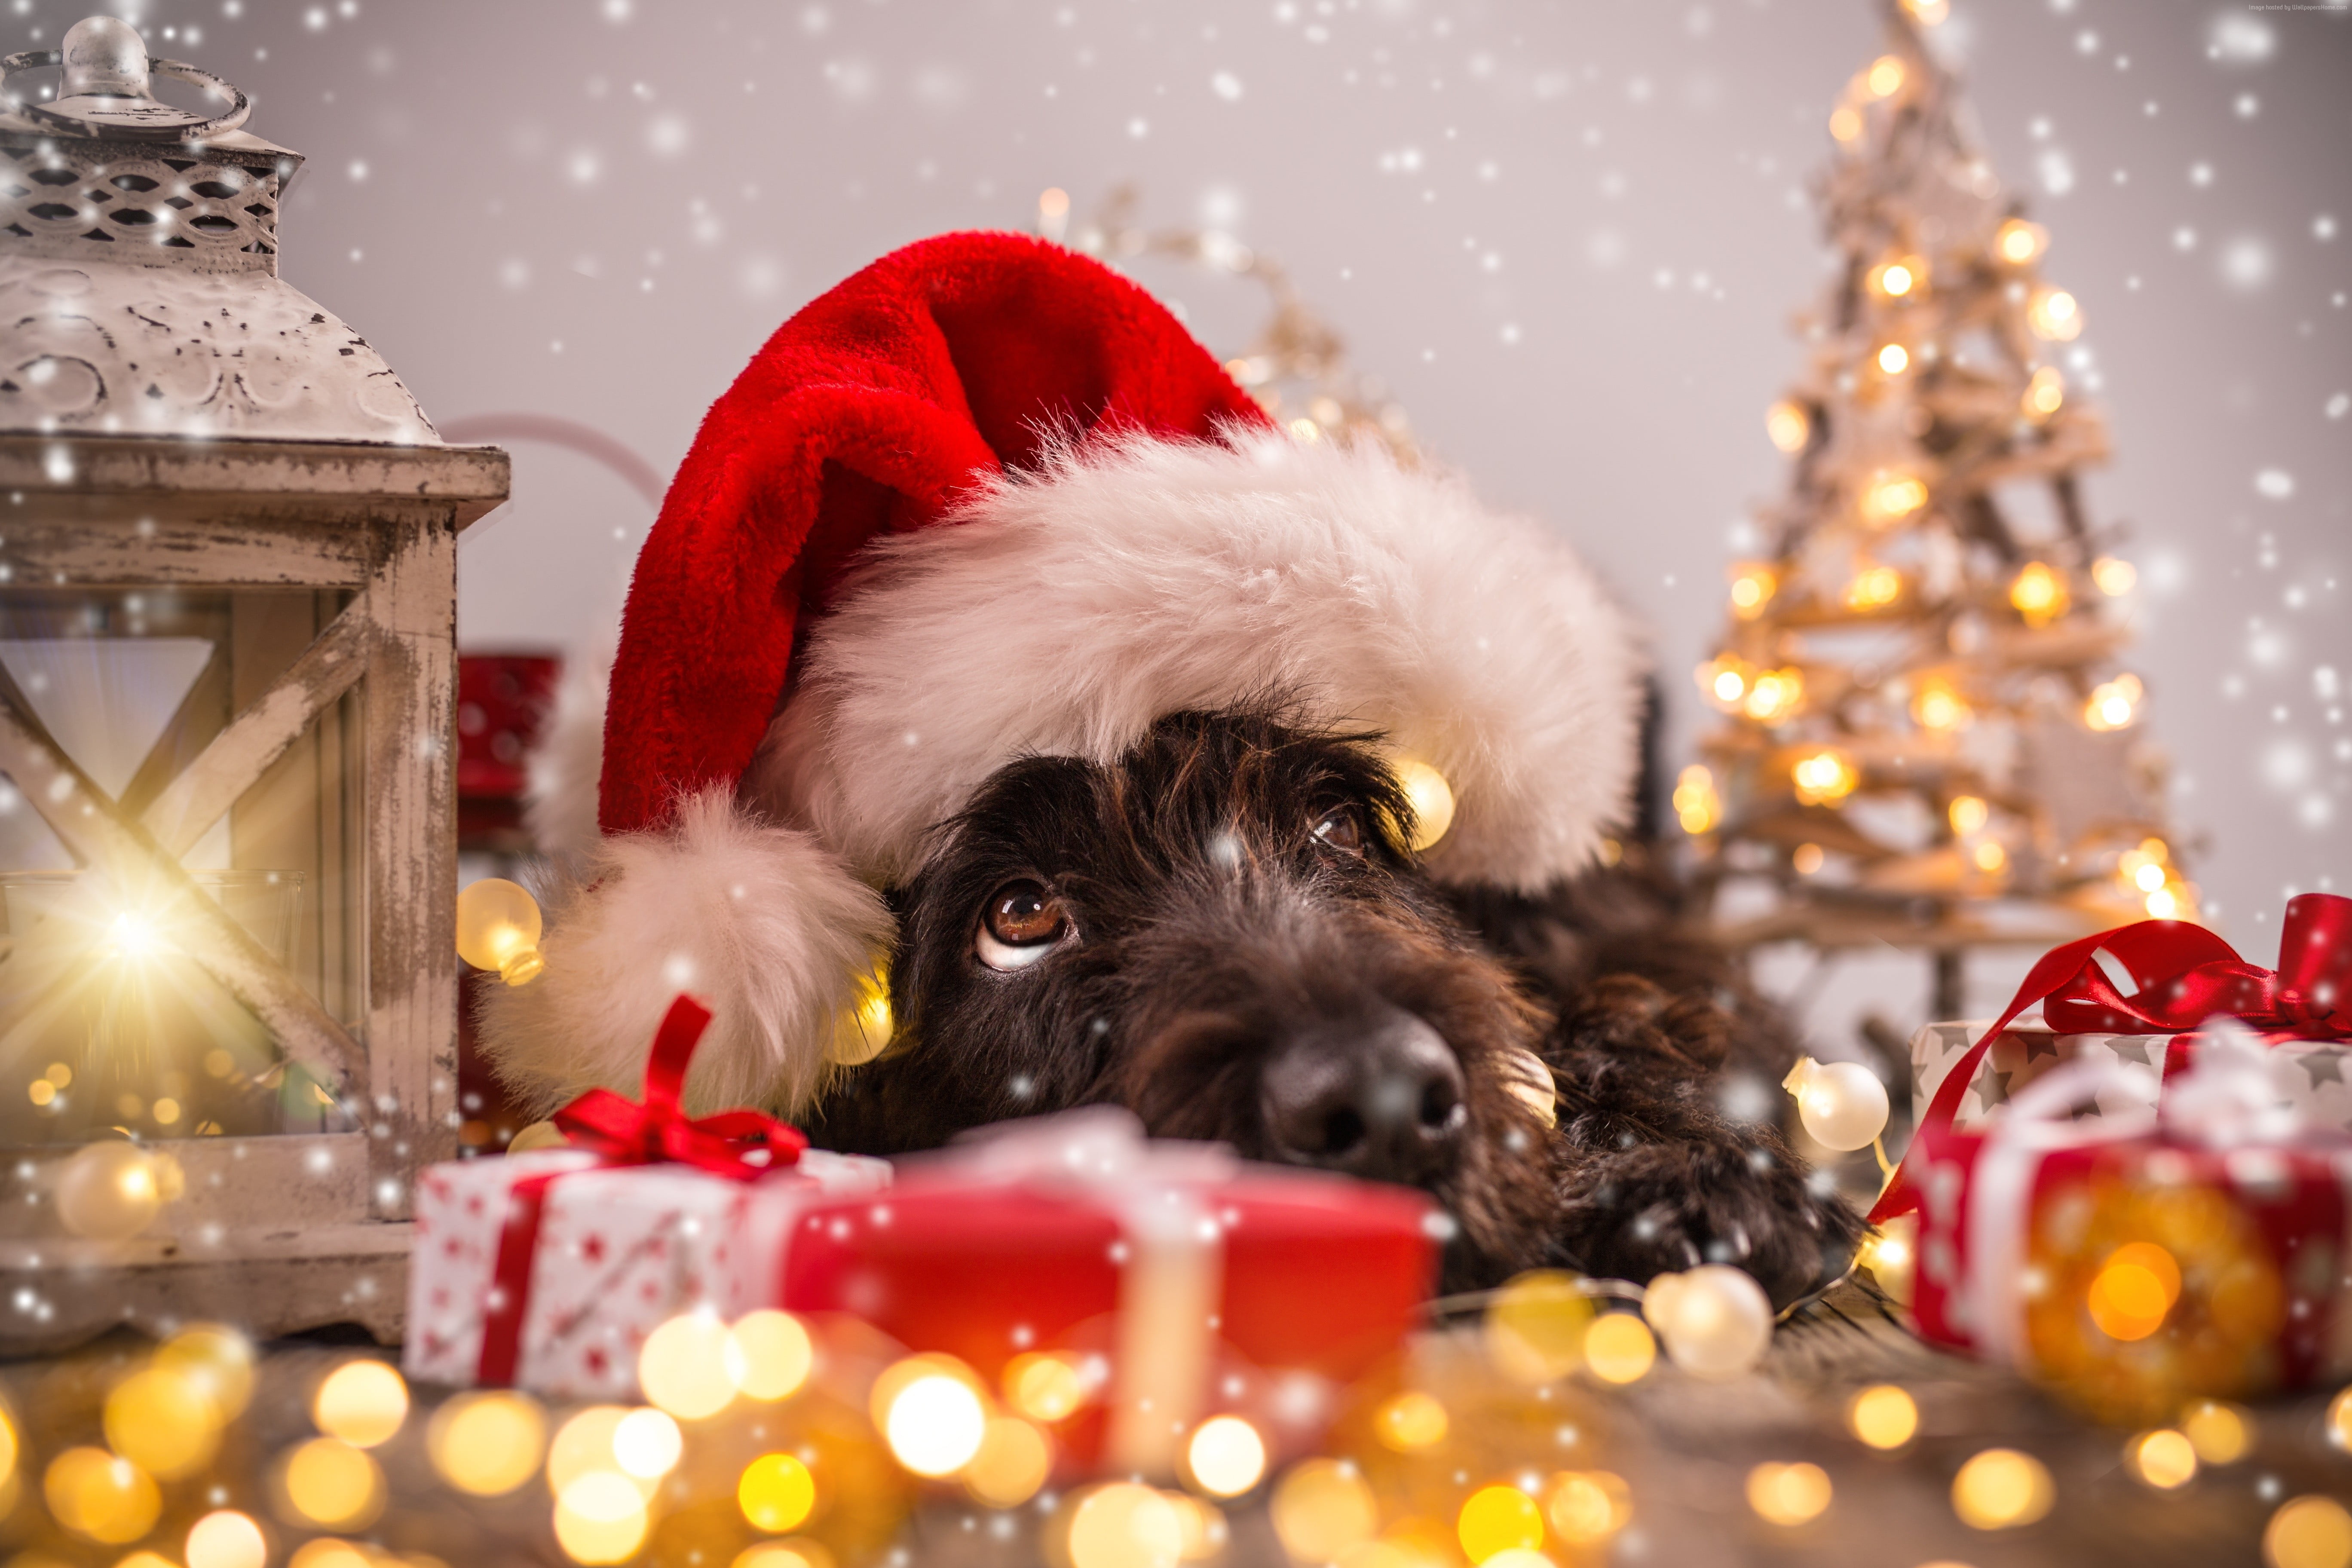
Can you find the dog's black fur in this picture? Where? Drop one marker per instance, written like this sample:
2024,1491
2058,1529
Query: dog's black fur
1237,884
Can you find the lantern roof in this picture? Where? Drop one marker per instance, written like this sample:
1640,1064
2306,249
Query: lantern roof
138,265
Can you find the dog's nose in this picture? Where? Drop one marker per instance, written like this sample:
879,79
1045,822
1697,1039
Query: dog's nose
1380,1099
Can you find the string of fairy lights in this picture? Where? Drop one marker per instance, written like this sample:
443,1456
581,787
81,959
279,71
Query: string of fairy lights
1923,664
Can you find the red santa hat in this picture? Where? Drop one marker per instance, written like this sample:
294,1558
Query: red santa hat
987,498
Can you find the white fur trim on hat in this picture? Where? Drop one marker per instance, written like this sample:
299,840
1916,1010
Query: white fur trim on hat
759,921
1063,612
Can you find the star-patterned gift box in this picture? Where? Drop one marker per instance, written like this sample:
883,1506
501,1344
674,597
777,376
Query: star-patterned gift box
617,1250
2309,1074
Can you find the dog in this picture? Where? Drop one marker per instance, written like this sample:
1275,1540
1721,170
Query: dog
1226,932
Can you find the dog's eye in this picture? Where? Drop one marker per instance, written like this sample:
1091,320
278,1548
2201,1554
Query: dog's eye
1341,830
1022,924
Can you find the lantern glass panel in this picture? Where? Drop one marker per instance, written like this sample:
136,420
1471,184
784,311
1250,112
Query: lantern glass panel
107,1024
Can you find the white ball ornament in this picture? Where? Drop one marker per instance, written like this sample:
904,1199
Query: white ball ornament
1843,1104
109,1191
1714,1322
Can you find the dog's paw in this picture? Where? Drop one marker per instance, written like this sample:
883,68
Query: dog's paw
1635,1213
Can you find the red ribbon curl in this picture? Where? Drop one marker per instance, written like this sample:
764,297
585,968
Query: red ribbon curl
741,1145
2182,975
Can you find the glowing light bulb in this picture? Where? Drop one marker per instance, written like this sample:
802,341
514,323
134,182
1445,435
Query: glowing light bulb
866,1027
1968,814
1874,588
1789,425
1724,679
1697,804
1892,496
2055,315
2044,392
1824,778
2163,904
1432,798
1752,587
2039,593
1894,359
1988,856
1225,1455
1788,1494
107,1191
1846,122
1928,13
1903,278
1892,1256
2114,574
499,929
1885,76
135,937
1936,706
648,1444
2001,1489
2018,242
1774,696
2113,704
1714,1322
1883,1416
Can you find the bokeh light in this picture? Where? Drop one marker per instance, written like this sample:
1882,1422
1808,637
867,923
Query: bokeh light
691,1366
2223,1434
784,1555
1045,1386
2133,1290
100,1497
219,1360
487,1444
1883,1416
107,1191
1619,1348
583,1444
226,1539
1788,1494
1534,1329
328,1482
1716,1320
2001,1488
1322,1508
1126,1525
2308,1532
162,1420
1225,1455
326,1551
2164,1458
777,1355
1432,798
362,1402
648,1444
930,1412
600,1518
777,1493
1588,1506
1498,1519
1411,1422
1014,1458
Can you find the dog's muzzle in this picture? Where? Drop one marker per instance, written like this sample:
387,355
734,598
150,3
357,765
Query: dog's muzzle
1379,1097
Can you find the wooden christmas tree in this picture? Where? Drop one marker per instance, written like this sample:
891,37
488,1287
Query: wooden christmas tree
1926,739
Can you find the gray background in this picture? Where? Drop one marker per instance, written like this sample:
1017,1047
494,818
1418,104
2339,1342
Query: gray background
1569,237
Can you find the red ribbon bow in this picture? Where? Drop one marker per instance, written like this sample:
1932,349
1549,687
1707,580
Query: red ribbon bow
741,1145
2182,974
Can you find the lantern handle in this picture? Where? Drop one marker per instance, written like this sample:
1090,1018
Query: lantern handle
73,126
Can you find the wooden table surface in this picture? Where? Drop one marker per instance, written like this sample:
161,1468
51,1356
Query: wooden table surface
1683,1446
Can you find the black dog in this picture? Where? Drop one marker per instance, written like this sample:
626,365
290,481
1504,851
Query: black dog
1225,933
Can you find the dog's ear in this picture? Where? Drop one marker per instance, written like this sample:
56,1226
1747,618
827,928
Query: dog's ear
759,921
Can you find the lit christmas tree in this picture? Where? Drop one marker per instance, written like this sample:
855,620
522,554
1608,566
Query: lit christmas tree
1927,741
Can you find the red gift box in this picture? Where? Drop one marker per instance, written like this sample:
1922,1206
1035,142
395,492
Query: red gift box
1193,1284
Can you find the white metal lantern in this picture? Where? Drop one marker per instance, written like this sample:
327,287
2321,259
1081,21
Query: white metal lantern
227,860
